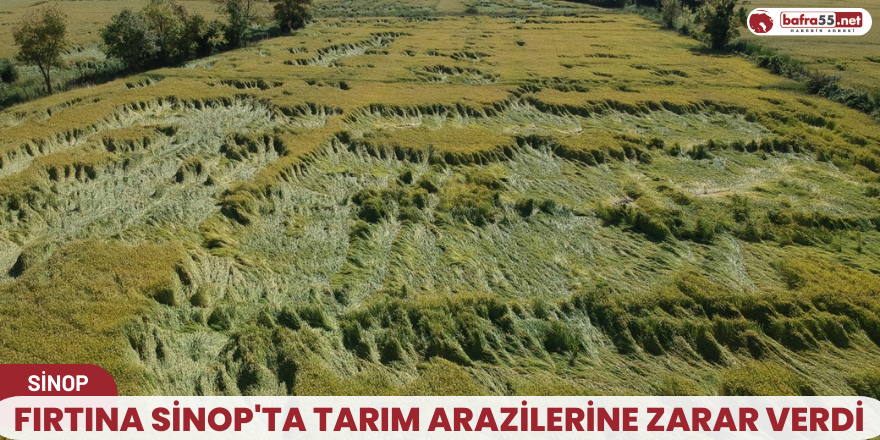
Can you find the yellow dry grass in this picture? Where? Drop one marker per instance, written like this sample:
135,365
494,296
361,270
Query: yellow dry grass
72,308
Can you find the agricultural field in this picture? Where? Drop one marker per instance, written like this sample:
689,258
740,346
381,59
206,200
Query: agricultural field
570,202
87,17
856,60
85,61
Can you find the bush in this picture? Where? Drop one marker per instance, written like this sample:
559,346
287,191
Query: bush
670,11
237,23
293,14
8,71
129,39
163,33
720,22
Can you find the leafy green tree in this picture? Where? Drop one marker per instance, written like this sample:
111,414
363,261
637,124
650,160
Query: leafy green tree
240,15
167,20
41,37
128,37
163,33
293,14
720,21
212,38
670,11
193,36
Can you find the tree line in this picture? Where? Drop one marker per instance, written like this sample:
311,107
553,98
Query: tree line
163,33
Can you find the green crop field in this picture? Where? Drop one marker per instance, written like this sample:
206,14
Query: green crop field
542,198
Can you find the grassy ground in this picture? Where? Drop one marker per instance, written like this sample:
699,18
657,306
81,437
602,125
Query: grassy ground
460,205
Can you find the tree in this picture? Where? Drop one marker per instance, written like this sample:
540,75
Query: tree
293,14
167,20
720,22
670,11
237,21
162,33
240,15
41,37
194,37
128,37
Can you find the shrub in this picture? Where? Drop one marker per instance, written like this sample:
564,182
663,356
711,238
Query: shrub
670,11
238,20
163,33
720,22
129,39
8,71
293,14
